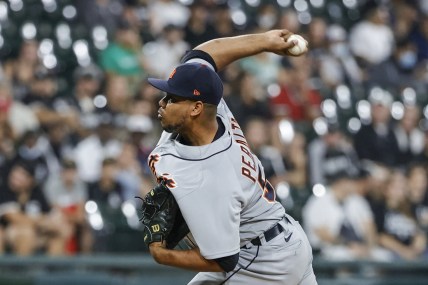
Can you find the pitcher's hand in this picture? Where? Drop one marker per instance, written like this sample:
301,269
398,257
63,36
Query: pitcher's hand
276,42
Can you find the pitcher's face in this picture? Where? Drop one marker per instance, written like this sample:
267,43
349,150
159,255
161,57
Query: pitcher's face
174,112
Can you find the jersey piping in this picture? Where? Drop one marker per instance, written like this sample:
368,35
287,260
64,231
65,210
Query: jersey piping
200,159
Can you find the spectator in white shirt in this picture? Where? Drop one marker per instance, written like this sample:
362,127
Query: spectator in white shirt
90,152
372,39
339,223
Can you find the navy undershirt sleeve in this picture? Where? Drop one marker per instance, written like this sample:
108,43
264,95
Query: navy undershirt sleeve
228,263
199,54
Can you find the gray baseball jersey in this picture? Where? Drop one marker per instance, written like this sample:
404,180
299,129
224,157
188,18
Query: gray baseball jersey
220,188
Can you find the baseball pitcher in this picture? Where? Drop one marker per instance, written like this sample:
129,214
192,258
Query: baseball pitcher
212,187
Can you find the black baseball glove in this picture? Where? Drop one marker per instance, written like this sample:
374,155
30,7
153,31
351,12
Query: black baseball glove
162,218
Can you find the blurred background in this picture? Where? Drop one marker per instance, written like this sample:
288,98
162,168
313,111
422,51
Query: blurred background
342,132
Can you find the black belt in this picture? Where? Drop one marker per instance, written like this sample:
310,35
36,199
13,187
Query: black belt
270,233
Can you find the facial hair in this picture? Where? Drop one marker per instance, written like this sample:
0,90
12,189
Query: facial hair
174,127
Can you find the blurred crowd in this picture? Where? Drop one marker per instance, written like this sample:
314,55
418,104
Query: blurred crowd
342,132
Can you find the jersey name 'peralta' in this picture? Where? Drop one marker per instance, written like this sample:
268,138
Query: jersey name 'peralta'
220,188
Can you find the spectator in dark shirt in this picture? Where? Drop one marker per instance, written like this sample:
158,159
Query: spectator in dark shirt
20,71
107,191
43,99
331,152
29,222
104,13
108,194
399,231
222,20
88,81
418,193
421,38
31,151
198,28
410,137
87,84
376,141
59,144
396,72
248,100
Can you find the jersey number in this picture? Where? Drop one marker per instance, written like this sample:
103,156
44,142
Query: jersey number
267,188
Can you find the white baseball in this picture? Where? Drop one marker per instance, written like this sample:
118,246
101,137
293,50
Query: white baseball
300,47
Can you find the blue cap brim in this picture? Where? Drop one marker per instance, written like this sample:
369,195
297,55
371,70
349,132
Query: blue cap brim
160,84
163,85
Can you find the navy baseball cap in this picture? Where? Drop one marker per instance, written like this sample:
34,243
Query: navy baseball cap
194,81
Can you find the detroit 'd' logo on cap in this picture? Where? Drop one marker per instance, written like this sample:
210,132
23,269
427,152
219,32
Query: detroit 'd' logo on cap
171,75
196,92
